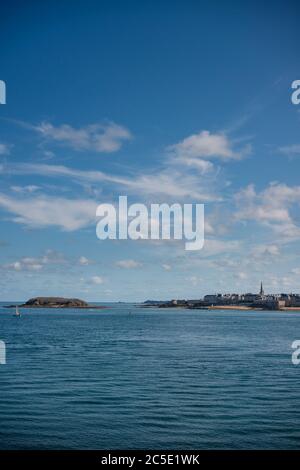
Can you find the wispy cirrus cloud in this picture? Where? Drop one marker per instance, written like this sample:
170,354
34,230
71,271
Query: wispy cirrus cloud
175,179
25,189
34,209
213,246
185,171
46,211
169,182
101,138
290,150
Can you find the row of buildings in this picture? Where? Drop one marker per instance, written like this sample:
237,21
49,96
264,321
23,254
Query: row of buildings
260,300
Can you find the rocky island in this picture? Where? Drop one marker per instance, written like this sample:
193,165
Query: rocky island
56,302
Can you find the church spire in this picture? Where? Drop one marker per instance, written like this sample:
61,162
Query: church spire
261,289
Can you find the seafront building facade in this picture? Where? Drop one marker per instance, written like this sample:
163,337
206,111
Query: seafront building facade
259,300
270,301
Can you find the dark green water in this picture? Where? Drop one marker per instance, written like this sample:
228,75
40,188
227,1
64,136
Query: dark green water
151,379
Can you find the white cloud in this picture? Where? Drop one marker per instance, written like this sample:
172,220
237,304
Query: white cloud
83,261
97,280
271,207
203,166
290,150
166,267
194,280
128,264
205,145
172,183
296,271
45,211
25,189
279,282
53,257
241,275
27,263
106,138
4,149
266,250
216,247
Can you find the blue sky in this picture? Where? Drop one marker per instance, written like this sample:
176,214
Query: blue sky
164,102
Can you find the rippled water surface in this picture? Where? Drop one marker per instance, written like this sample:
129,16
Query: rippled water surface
149,378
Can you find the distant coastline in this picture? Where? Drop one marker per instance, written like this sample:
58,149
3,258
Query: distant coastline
248,301
169,305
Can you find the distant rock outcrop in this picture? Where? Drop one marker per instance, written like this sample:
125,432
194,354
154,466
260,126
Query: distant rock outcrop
56,302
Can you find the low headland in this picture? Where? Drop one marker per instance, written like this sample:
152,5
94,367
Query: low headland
56,302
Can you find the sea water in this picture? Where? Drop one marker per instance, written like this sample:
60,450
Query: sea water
129,378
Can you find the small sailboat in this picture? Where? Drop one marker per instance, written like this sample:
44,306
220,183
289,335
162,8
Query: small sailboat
17,313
